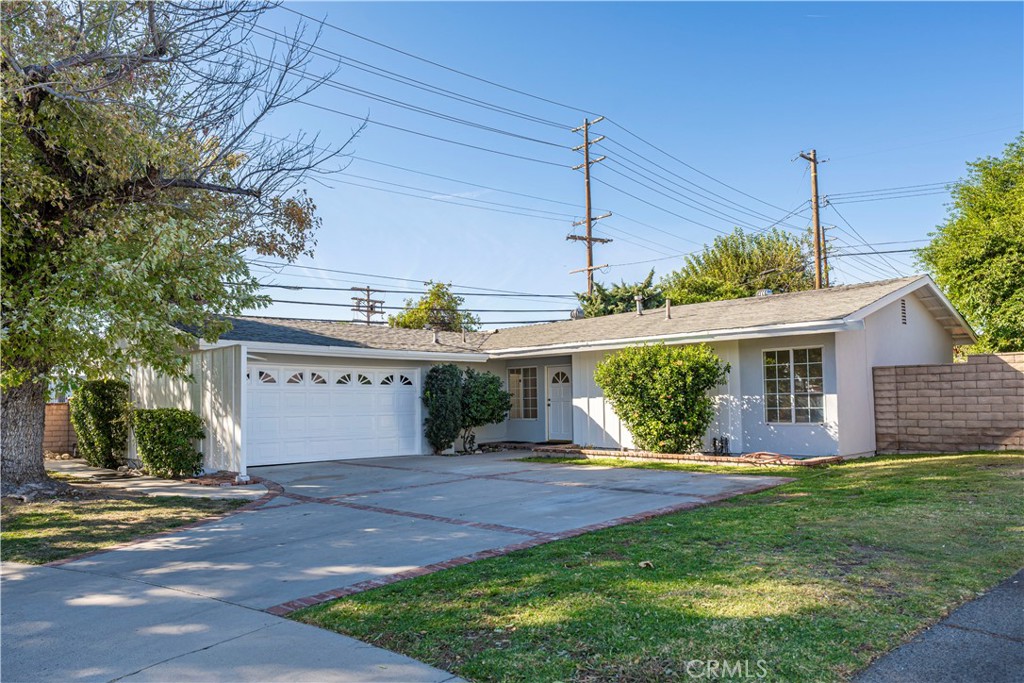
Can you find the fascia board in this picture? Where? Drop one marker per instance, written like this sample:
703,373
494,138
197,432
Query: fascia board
689,337
350,352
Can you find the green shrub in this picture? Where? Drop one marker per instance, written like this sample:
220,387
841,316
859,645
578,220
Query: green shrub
484,401
100,414
442,395
661,393
166,441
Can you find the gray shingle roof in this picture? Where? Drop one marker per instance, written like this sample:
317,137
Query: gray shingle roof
778,309
352,335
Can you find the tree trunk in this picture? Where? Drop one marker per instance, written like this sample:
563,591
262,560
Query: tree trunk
22,415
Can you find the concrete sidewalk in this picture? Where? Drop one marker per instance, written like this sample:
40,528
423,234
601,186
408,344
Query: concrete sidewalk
981,641
61,625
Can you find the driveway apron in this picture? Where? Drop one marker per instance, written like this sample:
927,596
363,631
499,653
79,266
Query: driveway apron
200,604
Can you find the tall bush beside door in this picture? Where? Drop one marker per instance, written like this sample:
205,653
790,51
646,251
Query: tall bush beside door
100,413
458,403
442,396
661,393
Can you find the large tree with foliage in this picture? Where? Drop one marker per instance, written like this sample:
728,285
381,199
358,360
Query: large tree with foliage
620,298
738,264
977,255
438,309
134,180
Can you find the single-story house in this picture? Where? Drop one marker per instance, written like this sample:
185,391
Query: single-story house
278,391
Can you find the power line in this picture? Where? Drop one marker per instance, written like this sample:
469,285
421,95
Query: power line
413,82
448,194
524,93
403,279
324,22
726,202
692,168
391,101
375,122
464,182
404,308
337,305
448,201
875,253
887,190
882,198
861,238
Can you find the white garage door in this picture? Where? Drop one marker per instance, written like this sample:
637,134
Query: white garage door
304,414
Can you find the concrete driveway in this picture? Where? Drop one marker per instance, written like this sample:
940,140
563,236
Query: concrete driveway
336,528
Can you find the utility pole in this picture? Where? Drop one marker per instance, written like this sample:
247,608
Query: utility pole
365,305
824,252
818,251
589,238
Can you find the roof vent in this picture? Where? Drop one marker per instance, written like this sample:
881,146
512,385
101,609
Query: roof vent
576,314
763,292
639,304
668,309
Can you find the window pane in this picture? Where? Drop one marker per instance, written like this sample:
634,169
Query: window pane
800,355
801,400
515,387
814,355
816,401
817,415
802,415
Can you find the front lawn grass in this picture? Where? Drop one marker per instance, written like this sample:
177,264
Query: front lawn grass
45,531
812,579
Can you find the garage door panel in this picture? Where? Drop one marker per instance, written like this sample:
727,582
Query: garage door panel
318,425
264,428
351,413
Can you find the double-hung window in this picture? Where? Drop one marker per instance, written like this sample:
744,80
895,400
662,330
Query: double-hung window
522,384
793,387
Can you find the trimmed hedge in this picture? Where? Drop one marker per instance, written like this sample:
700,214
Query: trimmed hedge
100,414
166,441
661,393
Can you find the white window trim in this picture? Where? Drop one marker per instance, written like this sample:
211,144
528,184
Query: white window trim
522,406
824,404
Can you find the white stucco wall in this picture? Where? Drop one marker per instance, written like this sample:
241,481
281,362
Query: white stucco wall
594,423
886,340
921,341
217,395
787,439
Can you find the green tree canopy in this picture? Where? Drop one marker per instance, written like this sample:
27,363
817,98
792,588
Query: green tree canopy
738,264
977,255
134,182
438,308
620,298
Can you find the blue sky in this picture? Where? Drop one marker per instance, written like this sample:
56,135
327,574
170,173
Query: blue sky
890,94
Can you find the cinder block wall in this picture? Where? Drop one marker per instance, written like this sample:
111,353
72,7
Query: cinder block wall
59,436
952,408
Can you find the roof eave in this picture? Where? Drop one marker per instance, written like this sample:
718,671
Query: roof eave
788,329
959,328
352,352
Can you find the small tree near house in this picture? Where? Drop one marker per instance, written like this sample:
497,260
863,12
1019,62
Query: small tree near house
484,402
457,403
661,393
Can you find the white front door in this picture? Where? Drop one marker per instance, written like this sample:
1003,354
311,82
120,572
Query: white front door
559,393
